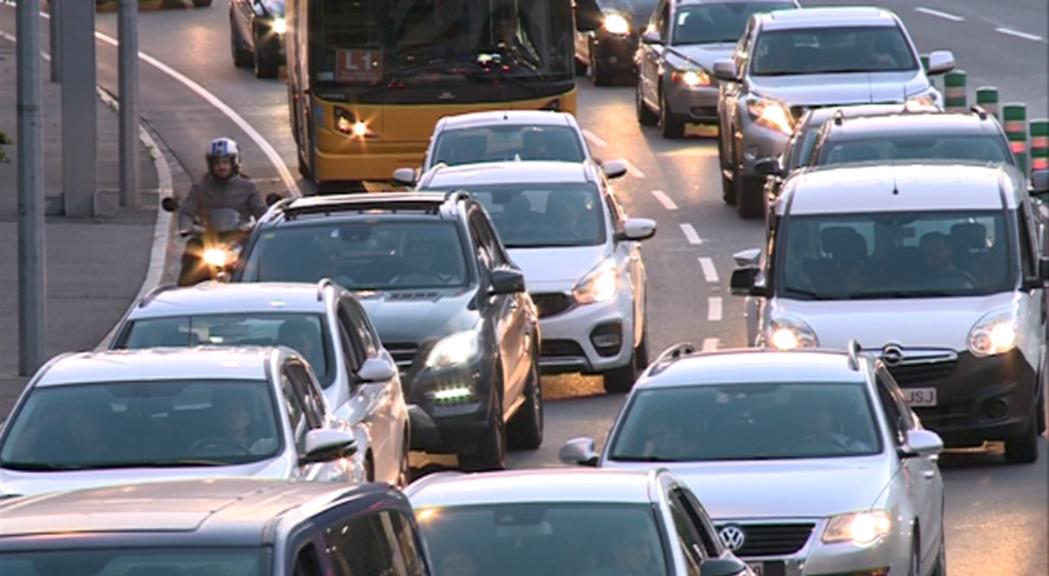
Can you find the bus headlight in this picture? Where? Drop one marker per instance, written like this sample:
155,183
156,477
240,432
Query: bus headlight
347,123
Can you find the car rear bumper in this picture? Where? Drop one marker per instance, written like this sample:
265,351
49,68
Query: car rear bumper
615,53
699,104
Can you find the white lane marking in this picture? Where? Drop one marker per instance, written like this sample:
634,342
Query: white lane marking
1018,34
710,344
938,14
691,235
710,274
664,200
633,170
714,309
594,139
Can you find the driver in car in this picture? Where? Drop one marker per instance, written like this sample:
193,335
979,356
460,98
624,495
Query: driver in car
419,256
822,426
936,251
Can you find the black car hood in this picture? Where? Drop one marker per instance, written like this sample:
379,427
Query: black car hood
419,316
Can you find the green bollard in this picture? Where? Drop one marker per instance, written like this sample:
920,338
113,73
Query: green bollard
954,97
987,98
1015,117
1040,144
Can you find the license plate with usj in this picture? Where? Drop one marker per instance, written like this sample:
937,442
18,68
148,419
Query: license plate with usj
920,397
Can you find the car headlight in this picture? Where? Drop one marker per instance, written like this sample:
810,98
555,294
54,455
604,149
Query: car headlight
790,333
926,101
994,333
616,24
280,26
599,285
859,528
216,257
690,78
771,114
454,350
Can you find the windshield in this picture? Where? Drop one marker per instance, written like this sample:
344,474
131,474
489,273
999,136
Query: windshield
717,23
502,143
542,216
747,422
170,423
556,539
832,50
135,562
304,333
362,255
421,42
980,149
801,146
895,255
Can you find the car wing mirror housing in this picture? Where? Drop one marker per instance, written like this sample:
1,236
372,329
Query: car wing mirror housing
729,566
651,37
725,70
325,445
579,452
405,176
769,167
922,443
637,229
940,62
1040,184
375,370
745,282
614,169
507,281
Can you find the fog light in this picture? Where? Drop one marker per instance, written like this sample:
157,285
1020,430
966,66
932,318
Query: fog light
607,338
996,408
452,394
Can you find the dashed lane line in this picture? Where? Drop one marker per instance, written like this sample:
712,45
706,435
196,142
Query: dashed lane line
710,344
594,139
714,309
691,235
938,14
710,273
1018,34
664,200
633,170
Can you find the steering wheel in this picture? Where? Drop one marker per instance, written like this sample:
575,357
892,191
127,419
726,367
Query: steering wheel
953,274
816,440
218,442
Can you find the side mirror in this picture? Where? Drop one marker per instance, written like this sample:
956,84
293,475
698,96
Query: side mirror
940,62
747,258
651,37
579,452
169,204
325,445
637,229
272,198
507,281
1040,183
768,167
745,282
405,176
725,70
375,370
922,443
614,169
730,566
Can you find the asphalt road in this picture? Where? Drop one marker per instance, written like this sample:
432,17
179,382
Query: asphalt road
996,514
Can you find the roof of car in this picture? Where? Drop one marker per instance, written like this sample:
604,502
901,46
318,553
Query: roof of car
881,187
749,366
831,17
221,511
508,117
817,116
224,298
413,204
877,126
246,363
694,2
549,485
511,172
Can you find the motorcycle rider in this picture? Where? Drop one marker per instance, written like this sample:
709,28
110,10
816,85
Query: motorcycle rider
223,187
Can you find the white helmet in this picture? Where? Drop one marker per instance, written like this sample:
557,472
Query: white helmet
224,148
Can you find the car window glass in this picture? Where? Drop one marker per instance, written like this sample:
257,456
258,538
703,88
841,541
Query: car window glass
508,143
707,533
307,563
715,23
481,248
359,338
311,403
294,407
891,408
907,421
980,149
545,215
350,344
1027,243
491,240
363,546
408,543
687,537
362,327
831,50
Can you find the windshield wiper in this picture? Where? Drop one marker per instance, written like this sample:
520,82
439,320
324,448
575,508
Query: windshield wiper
39,466
643,459
808,294
183,463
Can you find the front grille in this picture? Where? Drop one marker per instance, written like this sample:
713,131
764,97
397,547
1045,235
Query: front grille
922,373
772,539
560,348
551,304
403,355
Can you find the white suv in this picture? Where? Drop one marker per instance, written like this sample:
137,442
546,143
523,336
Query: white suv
581,256
937,268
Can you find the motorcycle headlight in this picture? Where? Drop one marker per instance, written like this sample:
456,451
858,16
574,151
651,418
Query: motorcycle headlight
790,333
616,24
454,350
771,114
280,26
995,333
859,528
216,257
690,78
599,285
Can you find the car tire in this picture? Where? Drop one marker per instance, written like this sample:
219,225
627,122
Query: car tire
404,468
1023,448
491,447
242,58
914,568
671,127
597,74
645,115
621,380
941,559
750,197
728,188
581,67
641,353
265,62
525,430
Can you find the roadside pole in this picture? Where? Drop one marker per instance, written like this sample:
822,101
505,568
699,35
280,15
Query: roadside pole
79,109
54,8
32,287
129,121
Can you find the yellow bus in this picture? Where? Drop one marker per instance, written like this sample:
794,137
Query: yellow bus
369,79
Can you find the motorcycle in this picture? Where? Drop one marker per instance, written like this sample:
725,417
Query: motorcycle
213,244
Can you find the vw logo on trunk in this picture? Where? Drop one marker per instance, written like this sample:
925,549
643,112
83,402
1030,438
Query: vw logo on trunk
892,355
732,537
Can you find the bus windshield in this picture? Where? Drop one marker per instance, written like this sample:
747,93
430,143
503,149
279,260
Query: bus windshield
402,43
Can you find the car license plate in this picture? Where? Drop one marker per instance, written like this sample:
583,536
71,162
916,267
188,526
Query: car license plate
920,397
757,568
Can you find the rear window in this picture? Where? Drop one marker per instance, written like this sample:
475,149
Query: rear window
975,148
503,143
832,51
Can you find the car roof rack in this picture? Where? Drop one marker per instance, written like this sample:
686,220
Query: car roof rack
839,117
152,294
979,111
854,350
427,202
322,284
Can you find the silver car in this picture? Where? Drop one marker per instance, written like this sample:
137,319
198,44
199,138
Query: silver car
792,60
809,462
323,322
99,419
676,58
568,523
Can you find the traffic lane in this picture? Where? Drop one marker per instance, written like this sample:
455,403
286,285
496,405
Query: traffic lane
1017,66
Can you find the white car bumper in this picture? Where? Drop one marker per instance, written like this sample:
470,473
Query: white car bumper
571,338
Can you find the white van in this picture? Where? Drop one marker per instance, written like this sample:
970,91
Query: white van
937,268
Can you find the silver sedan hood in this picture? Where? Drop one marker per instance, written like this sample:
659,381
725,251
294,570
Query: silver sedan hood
815,488
704,55
830,89
556,269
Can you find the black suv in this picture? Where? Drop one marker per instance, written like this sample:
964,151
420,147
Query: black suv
447,301
607,36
